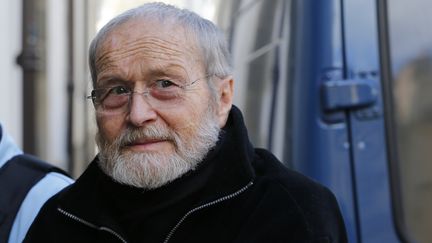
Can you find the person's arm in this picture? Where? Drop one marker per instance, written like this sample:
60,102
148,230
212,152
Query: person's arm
47,187
37,195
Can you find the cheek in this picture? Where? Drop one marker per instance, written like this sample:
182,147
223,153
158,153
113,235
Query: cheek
110,127
188,114
178,119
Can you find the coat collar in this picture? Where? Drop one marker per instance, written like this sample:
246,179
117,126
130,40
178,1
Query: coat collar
226,169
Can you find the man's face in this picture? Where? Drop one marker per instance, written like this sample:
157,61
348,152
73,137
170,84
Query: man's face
153,141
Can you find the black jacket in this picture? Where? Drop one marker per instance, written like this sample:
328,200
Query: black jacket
237,194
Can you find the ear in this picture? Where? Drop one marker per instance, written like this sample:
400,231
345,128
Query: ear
225,93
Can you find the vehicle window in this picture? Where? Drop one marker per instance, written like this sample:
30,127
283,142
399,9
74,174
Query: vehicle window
257,39
411,57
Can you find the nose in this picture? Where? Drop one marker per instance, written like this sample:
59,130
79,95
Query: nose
141,112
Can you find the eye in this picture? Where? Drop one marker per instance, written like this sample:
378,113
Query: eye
119,90
164,83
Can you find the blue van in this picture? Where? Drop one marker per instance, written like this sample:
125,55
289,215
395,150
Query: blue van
339,90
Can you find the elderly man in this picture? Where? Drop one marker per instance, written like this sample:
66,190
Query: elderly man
175,161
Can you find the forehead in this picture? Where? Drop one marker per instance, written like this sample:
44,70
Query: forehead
148,43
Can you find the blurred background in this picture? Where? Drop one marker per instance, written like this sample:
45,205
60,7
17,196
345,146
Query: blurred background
45,80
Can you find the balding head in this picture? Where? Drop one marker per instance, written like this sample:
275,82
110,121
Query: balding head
209,39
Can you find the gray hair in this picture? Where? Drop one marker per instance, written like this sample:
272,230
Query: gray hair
210,39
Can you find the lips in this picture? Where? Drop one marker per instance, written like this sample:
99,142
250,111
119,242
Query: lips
145,142
148,145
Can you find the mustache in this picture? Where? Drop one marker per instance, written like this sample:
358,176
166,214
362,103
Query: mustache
132,134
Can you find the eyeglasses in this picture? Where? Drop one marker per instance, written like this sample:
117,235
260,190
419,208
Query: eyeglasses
160,94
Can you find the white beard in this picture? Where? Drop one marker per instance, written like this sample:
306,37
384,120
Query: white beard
149,170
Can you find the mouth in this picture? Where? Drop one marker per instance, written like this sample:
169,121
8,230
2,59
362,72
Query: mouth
147,145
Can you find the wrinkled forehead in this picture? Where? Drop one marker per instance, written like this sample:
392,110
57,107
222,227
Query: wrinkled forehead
148,40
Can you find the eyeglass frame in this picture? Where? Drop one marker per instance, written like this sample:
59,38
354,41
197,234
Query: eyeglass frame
93,97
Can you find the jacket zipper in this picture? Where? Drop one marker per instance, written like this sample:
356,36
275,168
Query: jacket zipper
82,221
173,230
209,204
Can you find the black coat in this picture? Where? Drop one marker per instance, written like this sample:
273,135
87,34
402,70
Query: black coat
237,194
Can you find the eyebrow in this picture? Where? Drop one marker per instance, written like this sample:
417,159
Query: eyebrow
165,70
169,70
112,80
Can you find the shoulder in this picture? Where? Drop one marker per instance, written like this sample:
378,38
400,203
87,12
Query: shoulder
312,203
47,219
48,186
51,203
269,169
52,224
39,194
